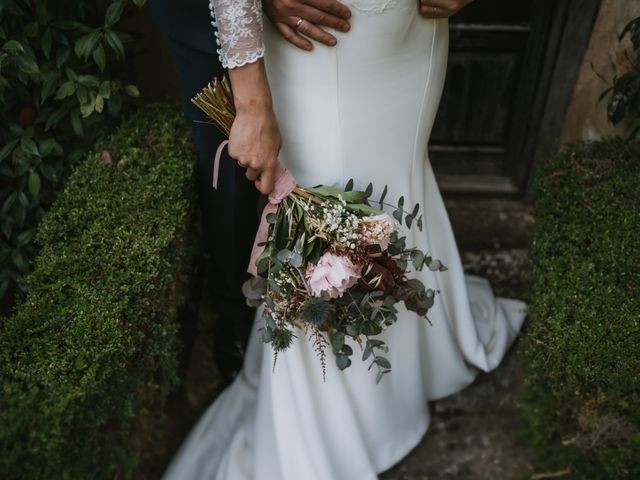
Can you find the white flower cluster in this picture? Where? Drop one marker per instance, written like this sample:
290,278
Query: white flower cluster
283,278
340,223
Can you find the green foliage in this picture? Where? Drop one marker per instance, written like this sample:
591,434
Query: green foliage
624,93
583,335
89,358
61,87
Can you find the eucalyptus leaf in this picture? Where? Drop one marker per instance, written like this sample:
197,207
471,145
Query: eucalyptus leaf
397,214
436,266
368,351
337,341
382,362
363,209
349,185
417,258
383,196
343,362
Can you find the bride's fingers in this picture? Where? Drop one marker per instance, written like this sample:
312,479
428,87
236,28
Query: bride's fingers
433,12
293,37
312,31
440,8
252,174
265,182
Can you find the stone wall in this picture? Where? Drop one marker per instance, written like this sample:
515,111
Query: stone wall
586,118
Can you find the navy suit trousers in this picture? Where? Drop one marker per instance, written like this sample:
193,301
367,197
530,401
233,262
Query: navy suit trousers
229,213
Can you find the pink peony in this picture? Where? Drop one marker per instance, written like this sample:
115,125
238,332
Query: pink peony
332,276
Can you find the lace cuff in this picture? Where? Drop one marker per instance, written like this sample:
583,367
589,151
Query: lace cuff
238,31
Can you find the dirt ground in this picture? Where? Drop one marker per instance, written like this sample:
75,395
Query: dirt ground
477,434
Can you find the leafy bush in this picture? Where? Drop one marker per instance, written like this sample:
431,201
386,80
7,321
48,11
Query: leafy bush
624,93
89,358
60,88
582,343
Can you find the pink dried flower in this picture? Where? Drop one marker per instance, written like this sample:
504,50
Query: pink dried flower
332,276
377,229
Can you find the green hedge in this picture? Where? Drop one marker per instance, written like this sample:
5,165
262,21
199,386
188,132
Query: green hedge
63,87
583,342
89,358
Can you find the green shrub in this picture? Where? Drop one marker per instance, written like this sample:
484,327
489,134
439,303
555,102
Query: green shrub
89,358
583,341
61,88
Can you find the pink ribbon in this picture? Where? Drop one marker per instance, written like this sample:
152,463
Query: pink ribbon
283,186
216,163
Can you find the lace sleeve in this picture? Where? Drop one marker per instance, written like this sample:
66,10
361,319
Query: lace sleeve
238,26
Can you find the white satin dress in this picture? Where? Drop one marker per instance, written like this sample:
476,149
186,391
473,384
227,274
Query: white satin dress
361,110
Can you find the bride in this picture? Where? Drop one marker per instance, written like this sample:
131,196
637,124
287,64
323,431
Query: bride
363,109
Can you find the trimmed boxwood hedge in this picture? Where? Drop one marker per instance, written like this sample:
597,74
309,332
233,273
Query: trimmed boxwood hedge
88,359
583,342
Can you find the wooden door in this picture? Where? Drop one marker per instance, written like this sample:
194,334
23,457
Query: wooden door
506,57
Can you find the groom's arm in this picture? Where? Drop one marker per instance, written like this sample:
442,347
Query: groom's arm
301,20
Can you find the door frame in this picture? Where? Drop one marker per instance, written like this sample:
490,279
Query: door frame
567,26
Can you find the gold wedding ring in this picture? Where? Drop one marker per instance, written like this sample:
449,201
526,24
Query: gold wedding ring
300,20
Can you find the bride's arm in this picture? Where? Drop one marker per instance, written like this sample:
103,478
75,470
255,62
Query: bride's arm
254,141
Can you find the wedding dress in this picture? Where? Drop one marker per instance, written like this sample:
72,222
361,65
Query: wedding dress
362,110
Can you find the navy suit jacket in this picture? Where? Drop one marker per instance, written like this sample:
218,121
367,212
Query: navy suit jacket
186,21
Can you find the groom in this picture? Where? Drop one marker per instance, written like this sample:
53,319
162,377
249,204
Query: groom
229,214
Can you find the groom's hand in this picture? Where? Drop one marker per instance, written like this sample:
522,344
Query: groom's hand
301,20
441,8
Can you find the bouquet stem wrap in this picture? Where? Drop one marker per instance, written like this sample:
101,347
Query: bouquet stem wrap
284,185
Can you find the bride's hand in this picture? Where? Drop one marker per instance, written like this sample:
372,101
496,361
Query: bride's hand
298,20
254,140
441,8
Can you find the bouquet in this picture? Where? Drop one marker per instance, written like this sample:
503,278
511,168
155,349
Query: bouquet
329,263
